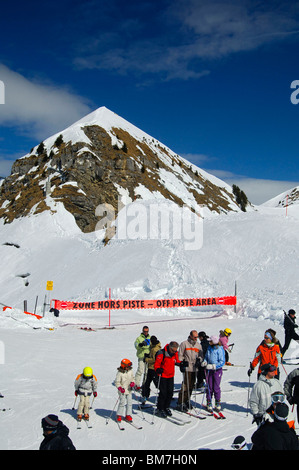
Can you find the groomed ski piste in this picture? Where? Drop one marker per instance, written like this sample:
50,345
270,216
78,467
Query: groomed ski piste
40,358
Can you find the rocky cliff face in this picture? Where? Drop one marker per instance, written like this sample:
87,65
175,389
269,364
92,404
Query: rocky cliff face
99,159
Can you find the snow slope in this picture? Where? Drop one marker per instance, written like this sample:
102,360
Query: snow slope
259,250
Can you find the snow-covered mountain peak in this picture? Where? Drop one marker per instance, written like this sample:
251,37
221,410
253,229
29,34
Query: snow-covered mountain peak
100,159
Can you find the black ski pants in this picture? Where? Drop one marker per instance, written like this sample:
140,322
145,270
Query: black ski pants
150,377
165,393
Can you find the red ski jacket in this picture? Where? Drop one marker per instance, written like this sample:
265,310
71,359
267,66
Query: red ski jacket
167,362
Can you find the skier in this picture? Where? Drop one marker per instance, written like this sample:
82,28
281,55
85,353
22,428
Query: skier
190,357
85,385
56,434
151,375
142,345
291,389
276,435
203,338
213,362
223,339
260,397
166,359
289,325
268,352
125,384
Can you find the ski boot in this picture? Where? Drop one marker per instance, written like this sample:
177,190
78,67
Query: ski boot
218,406
118,418
129,418
79,417
209,407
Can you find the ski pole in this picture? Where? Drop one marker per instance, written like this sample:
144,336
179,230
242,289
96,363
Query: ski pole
91,403
156,400
284,369
74,403
248,391
108,419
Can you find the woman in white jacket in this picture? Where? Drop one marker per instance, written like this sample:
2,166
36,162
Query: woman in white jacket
125,383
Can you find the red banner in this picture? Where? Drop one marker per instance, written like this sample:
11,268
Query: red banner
111,304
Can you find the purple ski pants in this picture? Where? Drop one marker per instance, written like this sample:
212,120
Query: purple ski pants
213,378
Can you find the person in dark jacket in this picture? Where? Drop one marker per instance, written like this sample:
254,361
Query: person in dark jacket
151,375
291,389
203,338
289,325
56,435
276,435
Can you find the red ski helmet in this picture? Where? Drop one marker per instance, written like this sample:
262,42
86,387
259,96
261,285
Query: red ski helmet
125,363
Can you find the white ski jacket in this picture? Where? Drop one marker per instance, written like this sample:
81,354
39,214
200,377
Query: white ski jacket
260,397
123,379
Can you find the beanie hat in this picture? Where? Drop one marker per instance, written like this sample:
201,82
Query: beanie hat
202,334
281,412
265,368
214,339
292,312
50,422
154,340
239,442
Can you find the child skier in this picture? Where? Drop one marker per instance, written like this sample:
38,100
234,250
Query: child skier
125,383
215,360
85,385
223,339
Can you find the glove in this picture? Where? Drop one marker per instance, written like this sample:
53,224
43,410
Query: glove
76,393
203,364
249,372
146,355
291,400
198,362
132,384
211,367
159,371
183,365
95,394
257,419
121,389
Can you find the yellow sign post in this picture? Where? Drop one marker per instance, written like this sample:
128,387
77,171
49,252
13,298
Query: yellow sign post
49,285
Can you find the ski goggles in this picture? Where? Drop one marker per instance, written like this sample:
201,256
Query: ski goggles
238,445
277,398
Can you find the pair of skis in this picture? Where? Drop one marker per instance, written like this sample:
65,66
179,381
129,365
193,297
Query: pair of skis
122,428
172,419
216,413
86,421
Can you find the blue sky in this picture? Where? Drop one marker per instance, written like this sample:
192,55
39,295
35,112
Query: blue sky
210,79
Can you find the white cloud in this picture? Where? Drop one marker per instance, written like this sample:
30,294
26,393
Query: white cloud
194,32
36,108
258,191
